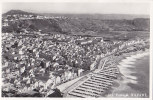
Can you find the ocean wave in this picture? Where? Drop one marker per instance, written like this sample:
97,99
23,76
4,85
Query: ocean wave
125,67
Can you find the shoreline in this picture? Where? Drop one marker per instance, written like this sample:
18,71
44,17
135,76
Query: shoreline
127,77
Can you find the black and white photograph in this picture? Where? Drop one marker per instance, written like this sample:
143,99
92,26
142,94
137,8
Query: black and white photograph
76,50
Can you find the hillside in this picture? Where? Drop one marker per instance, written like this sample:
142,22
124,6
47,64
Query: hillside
12,12
77,25
89,16
99,16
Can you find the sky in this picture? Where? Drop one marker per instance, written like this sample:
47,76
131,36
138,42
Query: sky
79,8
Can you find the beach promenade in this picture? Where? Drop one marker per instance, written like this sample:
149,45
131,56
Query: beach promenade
99,81
93,84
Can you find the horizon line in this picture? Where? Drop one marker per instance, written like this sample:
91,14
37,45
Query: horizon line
74,13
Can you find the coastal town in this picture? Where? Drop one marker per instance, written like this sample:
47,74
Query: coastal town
35,63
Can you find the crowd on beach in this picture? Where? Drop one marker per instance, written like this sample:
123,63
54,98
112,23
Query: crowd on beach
45,61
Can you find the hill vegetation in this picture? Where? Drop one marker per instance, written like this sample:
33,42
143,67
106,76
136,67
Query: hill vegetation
77,25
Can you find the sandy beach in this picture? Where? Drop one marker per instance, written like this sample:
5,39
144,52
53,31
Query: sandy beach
133,80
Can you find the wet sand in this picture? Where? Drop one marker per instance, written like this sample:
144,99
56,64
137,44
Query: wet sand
133,81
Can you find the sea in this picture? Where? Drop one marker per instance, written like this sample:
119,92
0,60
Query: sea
134,79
